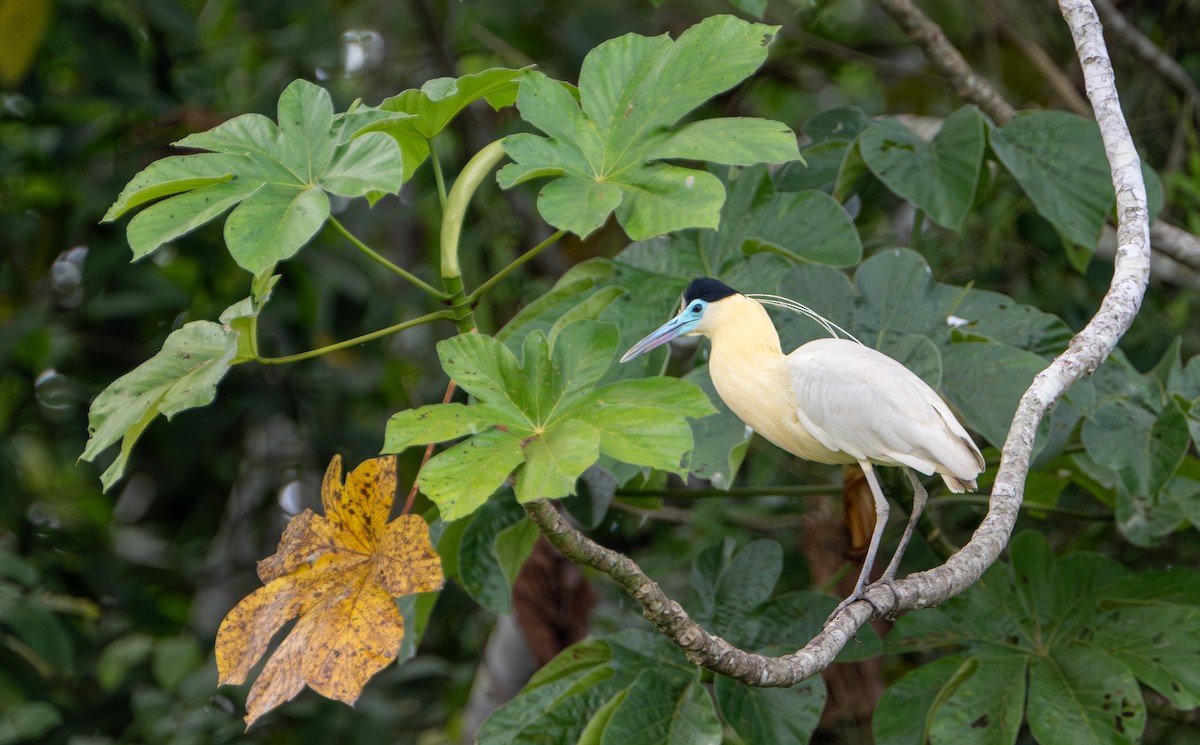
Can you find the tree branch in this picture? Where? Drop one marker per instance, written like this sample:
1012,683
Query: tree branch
1178,244
1128,35
948,61
1131,269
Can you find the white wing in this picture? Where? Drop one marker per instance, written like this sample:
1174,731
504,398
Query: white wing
856,400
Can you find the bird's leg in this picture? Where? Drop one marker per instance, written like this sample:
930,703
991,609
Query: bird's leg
920,497
881,516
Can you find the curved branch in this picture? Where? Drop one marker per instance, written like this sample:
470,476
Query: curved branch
1131,270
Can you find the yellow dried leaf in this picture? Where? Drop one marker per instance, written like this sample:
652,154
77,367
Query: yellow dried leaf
339,573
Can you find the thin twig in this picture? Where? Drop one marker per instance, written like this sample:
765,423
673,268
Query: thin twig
1040,59
412,493
980,501
378,259
436,315
682,516
1171,241
1176,243
517,263
948,61
1128,35
806,490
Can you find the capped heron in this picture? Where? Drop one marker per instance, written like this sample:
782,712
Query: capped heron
831,401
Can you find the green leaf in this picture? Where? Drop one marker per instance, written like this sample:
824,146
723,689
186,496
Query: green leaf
183,375
1144,449
898,717
1087,629
174,659
513,546
819,170
659,710
486,369
731,585
578,682
461,479
732,141
543,417
721,440
1058,159
434,105
939,177
593,733
171,218
273,223
482,572
436,423
279,176
643,435
771,715
838,124
789,621
172,175
28,721
984,381
606,147
554,460
829,235
1137,638
568,293
1085,693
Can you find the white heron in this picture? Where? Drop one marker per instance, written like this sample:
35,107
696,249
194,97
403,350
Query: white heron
831,401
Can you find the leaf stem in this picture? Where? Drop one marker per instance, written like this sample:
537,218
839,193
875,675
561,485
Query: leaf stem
435,292
468,181
436,315
811,490
436,164
1027,506
516,264
412,493
914,238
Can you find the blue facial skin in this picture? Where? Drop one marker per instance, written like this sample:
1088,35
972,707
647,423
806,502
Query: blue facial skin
680,325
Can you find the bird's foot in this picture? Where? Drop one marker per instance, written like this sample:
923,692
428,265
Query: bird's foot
854,597
890,583
860,593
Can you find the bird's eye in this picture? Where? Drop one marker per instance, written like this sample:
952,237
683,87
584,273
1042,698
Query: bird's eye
697,308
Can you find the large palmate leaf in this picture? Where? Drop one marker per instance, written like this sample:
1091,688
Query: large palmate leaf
541,419
1081,629
339,574
278,175
632,686
183,375
419,114
607,148
1136,438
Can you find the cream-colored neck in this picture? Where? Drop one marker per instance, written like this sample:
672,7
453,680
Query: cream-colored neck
741,330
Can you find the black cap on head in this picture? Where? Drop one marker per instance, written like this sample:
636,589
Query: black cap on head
707,289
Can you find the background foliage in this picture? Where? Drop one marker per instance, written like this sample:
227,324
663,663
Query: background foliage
109,603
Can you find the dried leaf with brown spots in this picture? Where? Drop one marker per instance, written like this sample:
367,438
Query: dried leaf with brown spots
339,573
